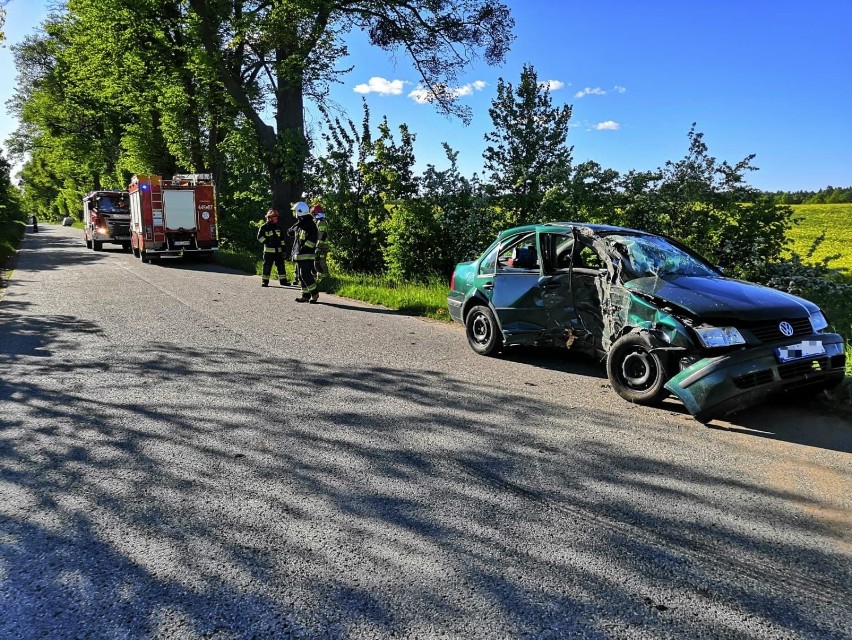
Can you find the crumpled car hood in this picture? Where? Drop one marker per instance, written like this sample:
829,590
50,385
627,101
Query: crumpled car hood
723,298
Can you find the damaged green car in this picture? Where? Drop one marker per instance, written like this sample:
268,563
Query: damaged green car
664,319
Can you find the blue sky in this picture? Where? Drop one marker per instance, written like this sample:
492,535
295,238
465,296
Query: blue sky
769,77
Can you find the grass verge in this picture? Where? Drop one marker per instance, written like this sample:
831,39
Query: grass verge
11,233
428,299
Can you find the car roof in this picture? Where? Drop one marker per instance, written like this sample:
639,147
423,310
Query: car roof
602,229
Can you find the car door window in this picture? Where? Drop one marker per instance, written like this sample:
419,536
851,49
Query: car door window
488,264
518,254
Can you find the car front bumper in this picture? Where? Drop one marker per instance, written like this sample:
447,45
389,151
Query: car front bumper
713,387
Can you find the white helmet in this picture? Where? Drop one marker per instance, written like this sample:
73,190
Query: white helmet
301,209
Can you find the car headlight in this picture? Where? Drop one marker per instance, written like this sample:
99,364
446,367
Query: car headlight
712,337
818,321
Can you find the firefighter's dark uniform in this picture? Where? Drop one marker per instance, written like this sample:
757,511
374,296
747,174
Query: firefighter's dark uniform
304,234
320,265
273,251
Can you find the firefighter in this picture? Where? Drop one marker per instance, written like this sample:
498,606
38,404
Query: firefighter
320,265
304,234
269,235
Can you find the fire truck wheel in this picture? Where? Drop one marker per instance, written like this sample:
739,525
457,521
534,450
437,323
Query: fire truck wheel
125,246
97,246
143,256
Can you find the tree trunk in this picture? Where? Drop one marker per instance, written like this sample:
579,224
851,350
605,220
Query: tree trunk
283,152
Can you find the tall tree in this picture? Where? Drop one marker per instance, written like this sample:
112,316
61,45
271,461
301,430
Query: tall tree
9,196
70,135
3,4
273,54
527,155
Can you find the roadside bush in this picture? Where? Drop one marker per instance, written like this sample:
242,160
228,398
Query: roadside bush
707,205
414,243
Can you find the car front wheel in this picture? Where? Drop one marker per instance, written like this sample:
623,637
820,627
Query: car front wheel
637,373
483,333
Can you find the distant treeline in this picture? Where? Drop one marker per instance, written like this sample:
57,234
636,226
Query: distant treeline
829,195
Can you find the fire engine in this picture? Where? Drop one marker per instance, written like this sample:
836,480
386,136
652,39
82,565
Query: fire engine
106,219
175,217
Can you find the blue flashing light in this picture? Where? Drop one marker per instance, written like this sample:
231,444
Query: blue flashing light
144,186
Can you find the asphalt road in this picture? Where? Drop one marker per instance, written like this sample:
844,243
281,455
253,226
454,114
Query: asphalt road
184,454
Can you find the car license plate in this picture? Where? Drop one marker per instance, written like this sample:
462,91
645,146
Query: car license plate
804,349
122,237
181,243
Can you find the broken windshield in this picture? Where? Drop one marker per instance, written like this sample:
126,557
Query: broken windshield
652,256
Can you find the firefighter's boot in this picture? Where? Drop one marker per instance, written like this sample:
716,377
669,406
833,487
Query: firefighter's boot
265,283
304,298
314,298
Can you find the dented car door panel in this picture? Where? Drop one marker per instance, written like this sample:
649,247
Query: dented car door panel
518,305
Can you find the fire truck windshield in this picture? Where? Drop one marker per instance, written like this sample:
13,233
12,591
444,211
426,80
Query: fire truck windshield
111,204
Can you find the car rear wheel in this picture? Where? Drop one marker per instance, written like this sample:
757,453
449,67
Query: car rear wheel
483,333
637,373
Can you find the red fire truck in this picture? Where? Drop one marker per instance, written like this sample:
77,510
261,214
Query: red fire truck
175,217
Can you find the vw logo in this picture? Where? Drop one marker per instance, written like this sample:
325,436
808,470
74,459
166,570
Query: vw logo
786,328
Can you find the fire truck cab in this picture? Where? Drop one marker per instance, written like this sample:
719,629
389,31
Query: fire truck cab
173,217
106,217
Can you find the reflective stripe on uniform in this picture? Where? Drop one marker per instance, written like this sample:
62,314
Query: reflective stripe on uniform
271,249
309,289
306,256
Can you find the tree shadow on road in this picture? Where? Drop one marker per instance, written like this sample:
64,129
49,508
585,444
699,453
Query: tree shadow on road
185,491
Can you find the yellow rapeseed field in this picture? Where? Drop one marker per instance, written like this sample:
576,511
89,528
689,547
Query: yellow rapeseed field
837,220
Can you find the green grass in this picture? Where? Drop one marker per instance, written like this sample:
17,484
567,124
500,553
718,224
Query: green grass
239,260
10,237
836,219
427,299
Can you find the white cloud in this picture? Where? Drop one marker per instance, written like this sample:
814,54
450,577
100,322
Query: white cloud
608,125
552,85
588,91
422,95
619,89
381,86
